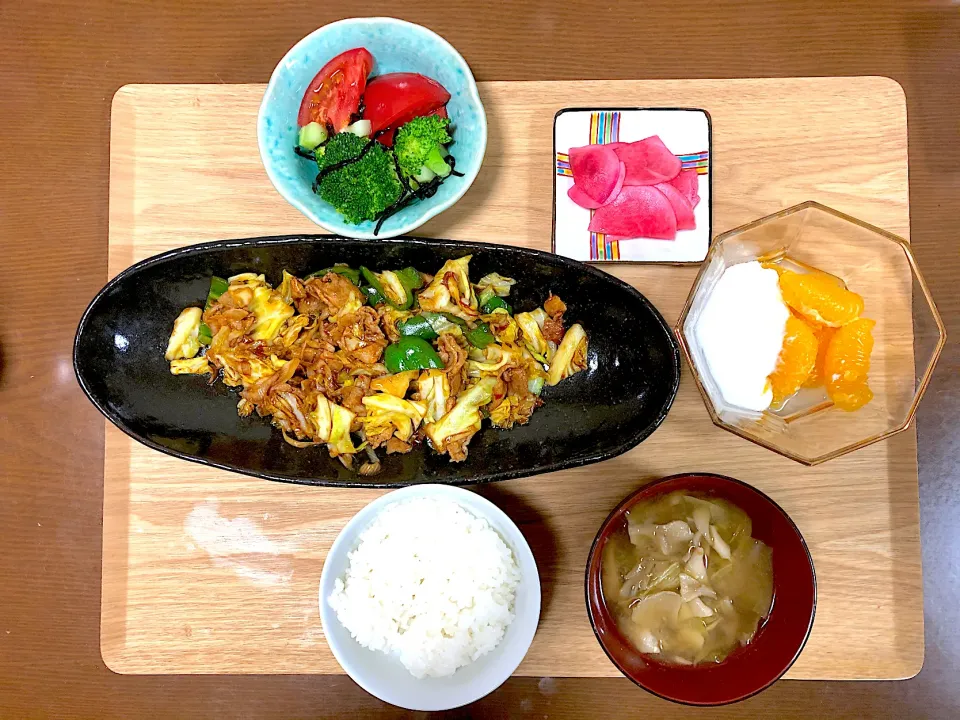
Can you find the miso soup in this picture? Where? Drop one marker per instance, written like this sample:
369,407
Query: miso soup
685,580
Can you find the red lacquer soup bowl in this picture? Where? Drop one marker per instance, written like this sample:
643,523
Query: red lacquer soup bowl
778,642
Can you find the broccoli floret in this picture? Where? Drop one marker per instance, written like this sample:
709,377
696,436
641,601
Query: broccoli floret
364,189
419,144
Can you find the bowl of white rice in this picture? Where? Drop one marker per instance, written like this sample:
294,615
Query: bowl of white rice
430,597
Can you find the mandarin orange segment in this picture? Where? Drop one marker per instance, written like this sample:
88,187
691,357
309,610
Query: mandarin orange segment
824,336
796,360
818,298
846,364
848,355
851,396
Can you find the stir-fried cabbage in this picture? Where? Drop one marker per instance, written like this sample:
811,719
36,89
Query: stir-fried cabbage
389,319
323,418
503,326
340,442
333,423
395,384
496,358
385,411
392,286
184,340
451,291
570,357
292,331
531,323
465,415
508,412
252,369
353,303
442,324
286,287
320,361
267,305
246,279
271,313
495,284
434,389
190,366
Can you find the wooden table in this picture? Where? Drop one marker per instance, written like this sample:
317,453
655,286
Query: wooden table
60,66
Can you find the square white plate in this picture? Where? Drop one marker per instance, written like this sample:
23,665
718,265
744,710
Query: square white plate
685,131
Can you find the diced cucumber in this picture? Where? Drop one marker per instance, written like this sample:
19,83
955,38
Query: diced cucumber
425,175
361,128
311,135
436,163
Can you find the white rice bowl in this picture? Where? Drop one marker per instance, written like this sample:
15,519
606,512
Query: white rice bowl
429,582
429,598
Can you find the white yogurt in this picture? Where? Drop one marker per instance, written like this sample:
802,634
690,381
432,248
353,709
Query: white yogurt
740,332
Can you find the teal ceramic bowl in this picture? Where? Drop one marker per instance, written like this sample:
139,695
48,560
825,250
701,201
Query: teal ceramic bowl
396,46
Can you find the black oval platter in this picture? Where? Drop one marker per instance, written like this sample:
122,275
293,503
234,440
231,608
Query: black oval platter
623,395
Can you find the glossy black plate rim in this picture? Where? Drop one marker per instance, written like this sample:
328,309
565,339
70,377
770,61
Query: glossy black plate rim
279,240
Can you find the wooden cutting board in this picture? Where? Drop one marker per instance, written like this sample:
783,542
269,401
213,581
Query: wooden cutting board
206,571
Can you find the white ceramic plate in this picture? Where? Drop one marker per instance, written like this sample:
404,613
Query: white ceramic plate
384,676
685,131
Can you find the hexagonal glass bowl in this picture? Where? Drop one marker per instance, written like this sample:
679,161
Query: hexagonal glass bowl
908,336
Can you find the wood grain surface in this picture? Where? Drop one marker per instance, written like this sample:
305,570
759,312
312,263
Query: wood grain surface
206,571
63,62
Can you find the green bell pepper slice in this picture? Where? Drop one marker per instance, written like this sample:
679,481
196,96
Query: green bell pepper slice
340,269
495,303
417,326
445,316
397,292
370,277
374,288
218,286
410,278
374,297
485,296
480,336
440,322
411,353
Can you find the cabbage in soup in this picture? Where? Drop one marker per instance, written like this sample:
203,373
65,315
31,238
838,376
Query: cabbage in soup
685,580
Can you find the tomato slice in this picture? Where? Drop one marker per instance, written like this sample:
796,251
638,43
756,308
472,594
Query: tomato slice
396,98
333,96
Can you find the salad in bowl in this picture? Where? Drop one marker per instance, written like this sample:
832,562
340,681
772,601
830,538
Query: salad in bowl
372,126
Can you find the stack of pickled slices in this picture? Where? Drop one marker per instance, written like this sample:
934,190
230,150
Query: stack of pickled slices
826,342
636,189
